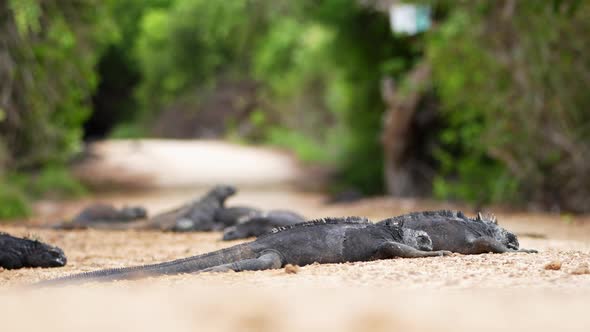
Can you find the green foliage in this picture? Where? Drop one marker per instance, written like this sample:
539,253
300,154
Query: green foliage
364,51
306,149
192,43
128,130
49,50
18,189
467,172
50,68
54,182
322,70
49,182
14,203
291,56
318,65
26,15
512,90
514,103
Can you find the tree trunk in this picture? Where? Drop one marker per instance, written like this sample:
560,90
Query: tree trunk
401,105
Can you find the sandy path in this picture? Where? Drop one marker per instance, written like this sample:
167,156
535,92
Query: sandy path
457,293
166,163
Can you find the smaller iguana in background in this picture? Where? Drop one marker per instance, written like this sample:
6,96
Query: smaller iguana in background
229,216
453,231
101,215
16,253
329,240
261,223
197,215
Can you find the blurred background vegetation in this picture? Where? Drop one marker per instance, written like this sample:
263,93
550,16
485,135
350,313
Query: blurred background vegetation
502,116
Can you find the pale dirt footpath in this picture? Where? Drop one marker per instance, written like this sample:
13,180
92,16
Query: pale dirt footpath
458,293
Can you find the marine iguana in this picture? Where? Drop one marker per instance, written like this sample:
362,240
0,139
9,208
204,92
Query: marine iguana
232,215
16,253
453,231
197,215
101,215
329,240
261,223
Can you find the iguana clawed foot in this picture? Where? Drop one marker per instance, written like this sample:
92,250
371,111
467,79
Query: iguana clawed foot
530,251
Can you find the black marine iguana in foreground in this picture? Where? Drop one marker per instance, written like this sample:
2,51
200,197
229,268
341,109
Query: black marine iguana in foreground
16,253
261,223
331,240
453,231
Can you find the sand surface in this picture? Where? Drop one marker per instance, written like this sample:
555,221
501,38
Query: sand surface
457,293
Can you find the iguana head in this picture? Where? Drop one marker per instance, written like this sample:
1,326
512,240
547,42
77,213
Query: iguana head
39,254
222,192
417,239
500,234
510,240
243,228
505,237
232,233
414,238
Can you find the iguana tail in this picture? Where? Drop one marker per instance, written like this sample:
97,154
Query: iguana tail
179,266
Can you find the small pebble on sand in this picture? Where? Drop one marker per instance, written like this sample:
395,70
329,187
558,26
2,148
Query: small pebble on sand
553,265
582,269
291,269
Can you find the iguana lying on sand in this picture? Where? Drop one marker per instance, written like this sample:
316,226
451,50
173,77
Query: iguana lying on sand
330,240
197,215
103,216
261,223
232,215
16,253
453,231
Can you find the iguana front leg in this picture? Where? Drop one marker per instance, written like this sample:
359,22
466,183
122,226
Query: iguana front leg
395,249
484,245
267,261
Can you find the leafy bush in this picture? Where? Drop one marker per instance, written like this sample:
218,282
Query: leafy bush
49,52
303,146
515,103
54,182
18,189
50,69
323,72
13,202
128,130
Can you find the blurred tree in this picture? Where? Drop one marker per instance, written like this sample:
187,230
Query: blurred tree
316,64
113,102
512,79
47,56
